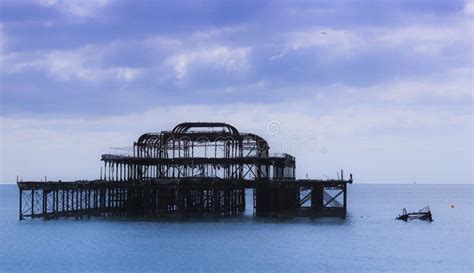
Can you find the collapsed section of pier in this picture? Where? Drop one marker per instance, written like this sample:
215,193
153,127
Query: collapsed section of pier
199,168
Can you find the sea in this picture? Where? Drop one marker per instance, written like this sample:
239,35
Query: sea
368,240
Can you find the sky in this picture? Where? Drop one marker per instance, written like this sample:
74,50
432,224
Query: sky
381,89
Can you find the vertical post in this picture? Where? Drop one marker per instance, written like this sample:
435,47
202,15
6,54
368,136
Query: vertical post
21,204
77,202
81,199
317,199
107,198
32,203
280,200
345,199
96,201
54,204
62,201
254,190
57,202
45,204
72,200
88,198
101,200
67,201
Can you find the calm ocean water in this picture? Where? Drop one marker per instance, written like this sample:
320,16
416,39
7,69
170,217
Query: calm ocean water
368,240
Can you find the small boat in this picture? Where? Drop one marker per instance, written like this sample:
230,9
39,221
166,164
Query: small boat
423,214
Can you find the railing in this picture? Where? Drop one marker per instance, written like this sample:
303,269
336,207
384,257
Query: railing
114,156
281,155
121,151
130,155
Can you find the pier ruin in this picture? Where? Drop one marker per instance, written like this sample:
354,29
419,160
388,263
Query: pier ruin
196,169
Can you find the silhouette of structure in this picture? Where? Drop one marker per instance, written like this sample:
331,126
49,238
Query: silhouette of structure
198,168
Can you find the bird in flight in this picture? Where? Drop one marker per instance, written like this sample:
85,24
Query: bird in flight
323,33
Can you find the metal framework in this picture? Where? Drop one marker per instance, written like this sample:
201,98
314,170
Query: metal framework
198,168
201,149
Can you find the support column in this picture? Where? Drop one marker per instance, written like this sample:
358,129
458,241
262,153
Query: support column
21,204
317,199
45,204
32,203
345,200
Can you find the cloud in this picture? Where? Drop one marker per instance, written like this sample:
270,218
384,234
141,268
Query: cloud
452,86
163,54
80,8
340,40
427,39
79,64
160,41
215,32
469,8
85,64
417,38
127,74
456,85
3,39
229,59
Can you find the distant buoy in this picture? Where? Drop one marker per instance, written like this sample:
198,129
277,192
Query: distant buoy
452,206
